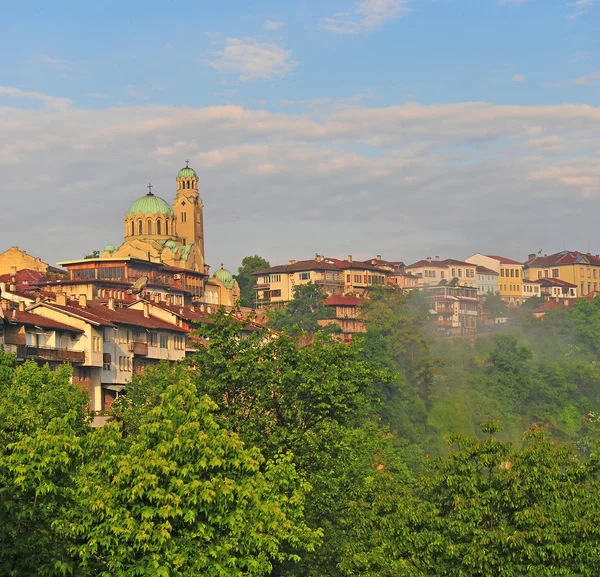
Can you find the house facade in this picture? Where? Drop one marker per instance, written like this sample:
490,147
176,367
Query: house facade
430,272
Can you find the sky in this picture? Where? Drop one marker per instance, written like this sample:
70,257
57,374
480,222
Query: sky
401,128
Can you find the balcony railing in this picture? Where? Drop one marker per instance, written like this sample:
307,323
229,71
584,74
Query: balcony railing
139,348
50,354
262,286
338,282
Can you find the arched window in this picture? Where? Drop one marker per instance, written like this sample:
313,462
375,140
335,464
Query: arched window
132,228
149,227
158,227
188,183
166,227
140,227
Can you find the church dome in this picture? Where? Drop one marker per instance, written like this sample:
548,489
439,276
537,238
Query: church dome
187,172
109,248
150,204
225,277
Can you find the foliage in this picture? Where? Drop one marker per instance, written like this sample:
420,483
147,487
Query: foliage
246,280
93,254
495,306
303,312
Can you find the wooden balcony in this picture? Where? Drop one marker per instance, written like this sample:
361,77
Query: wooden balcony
139,348
262,286
50,354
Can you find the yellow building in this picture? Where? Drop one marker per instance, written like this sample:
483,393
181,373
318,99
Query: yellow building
510,275
14,259
431,271
580,269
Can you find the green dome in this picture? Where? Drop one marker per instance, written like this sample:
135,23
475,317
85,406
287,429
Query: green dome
187,172
225,277
150,204
109,248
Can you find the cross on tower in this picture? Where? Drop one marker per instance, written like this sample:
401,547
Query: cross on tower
149,189
187,163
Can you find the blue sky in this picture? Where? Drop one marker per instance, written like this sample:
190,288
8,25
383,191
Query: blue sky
307,106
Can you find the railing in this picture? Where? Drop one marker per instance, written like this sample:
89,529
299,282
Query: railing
329,281
261,287
51,354
139,348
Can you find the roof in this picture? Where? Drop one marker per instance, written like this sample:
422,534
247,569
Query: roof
354,264
549,305
486,270
187,172
150,204
30,319
547,282
186,312
347,301
301,265
25,275
439,263
565,257
503,260
225,277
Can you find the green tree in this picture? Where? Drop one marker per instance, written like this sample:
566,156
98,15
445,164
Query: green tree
487,509
495,306
303,312
93,254
246,280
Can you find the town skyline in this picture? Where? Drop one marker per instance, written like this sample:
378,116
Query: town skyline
393,127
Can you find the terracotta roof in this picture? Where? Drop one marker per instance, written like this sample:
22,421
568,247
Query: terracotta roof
353,264
25,275
30,319
563,258
439,263
547,306
299,266
503,260
485,270
186,312
348,301
553,282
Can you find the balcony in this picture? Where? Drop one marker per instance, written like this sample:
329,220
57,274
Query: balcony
50,354
262,286
337,282
139,348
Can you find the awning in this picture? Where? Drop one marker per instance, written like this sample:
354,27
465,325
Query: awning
117,388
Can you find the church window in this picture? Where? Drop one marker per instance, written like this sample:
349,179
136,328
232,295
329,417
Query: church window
158,227
132,228
183,217
166,227
188,183
139,227
149,227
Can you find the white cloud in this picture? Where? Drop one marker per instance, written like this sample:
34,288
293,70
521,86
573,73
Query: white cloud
272,25
590,79
94,95
50,101
580,7
403,181
252,58
518,78
365,16
55,62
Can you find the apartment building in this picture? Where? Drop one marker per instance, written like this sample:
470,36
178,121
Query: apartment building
431,271
454,307
510,275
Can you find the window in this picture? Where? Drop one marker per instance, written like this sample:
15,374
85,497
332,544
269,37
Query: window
106,335
164,341
357,278
501,272
453,272
539,274
106,361
183,217
589,287
581,272
348,277
304,276
555,273
582,291
158,226
153,339
149,227
460,272
517,273
442,274
132,228
589,272
166,227
546,273
512,272
140,227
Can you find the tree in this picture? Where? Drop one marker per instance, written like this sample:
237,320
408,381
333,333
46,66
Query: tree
93,254
495,306
303,312
487,509
246,280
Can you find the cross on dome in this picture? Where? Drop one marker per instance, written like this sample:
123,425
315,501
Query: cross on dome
150,189
187,163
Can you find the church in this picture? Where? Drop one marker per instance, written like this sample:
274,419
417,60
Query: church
164,243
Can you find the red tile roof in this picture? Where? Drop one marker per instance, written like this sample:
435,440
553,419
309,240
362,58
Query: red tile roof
439,263
30,319
503,260
348,301
554,282
485,270
299,266
565,257
550,305
25,275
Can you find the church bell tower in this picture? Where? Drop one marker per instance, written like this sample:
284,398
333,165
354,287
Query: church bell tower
188,208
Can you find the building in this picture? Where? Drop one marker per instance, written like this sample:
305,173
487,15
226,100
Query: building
432,271
346,315
397,274
510,275
582,270
554,288
454,307
276,285
15,259
531,288
487,281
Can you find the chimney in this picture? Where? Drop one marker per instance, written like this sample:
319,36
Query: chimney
531,256
428,259
22,306
378,257
111,303
292,262
349,258
82,301
61,299
146,310
437,257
